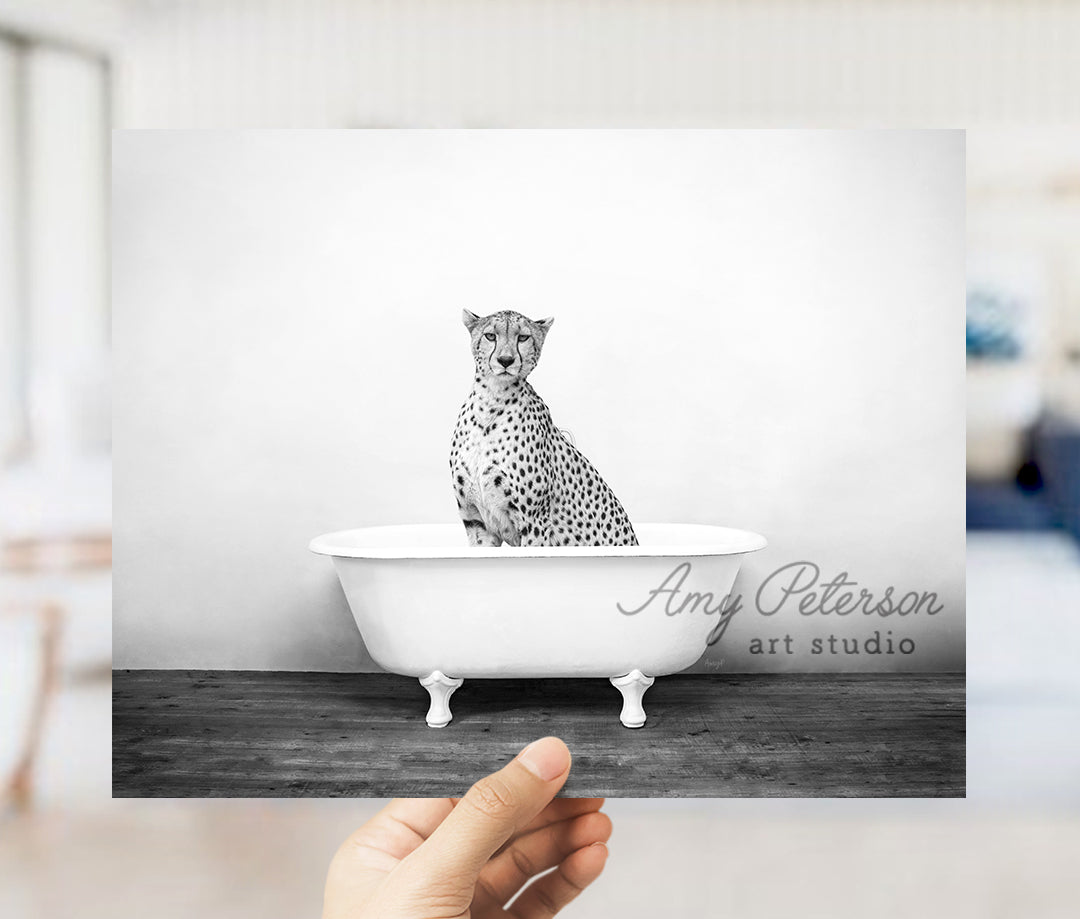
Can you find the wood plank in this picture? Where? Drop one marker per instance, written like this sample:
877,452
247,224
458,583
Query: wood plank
257,733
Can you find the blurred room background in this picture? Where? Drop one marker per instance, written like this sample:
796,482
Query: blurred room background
71,69
1023,429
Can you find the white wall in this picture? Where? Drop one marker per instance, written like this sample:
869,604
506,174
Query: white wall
755,329
631,63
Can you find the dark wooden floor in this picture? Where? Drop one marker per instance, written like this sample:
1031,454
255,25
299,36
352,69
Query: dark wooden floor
226,733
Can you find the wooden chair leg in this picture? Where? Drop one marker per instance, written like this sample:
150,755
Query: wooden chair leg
20,790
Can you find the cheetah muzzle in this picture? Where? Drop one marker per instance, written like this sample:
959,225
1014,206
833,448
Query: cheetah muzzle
516,477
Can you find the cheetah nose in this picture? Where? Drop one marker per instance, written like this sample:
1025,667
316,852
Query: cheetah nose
506,361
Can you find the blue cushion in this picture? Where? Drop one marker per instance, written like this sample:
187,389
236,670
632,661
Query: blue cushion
1057,451
1004,506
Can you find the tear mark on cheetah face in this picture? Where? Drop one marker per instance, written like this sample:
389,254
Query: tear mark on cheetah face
506,344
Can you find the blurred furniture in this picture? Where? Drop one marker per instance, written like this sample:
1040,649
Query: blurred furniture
1045,495
32,563
1007,506
1057,452
1003,403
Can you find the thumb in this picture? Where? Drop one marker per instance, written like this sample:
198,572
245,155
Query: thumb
492,811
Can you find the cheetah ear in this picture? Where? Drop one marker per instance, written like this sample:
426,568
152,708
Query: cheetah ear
470,319
545,324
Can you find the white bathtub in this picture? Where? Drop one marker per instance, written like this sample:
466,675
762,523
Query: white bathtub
431,607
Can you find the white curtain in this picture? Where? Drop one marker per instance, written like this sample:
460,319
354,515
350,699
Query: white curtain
10,334
66,193
53,251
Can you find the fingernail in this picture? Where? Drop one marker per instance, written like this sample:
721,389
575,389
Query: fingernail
546,758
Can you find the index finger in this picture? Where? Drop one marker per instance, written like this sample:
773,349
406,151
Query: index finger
556,812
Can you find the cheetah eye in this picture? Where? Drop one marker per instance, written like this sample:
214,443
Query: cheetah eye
490,336
524,337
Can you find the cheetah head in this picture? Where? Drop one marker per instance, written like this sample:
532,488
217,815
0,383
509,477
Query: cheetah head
506,345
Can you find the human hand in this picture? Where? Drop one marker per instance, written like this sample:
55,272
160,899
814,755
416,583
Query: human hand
437,858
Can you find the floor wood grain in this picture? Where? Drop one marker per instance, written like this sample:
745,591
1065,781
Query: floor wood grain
254,734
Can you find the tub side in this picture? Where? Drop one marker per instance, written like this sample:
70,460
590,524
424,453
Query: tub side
537,617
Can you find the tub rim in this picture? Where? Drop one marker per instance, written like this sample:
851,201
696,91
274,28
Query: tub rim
729,541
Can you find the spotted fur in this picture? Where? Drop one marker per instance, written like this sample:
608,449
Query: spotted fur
516,477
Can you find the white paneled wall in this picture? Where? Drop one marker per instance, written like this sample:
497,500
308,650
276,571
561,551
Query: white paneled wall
257,63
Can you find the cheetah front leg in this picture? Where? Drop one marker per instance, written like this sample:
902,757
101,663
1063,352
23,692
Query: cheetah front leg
475,528
480,535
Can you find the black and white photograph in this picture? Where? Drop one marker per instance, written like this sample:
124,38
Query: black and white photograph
652,440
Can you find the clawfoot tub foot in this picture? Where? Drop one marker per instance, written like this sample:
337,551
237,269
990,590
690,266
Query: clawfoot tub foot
440,687
632,686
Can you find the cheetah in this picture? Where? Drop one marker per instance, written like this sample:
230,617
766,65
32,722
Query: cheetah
517,478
